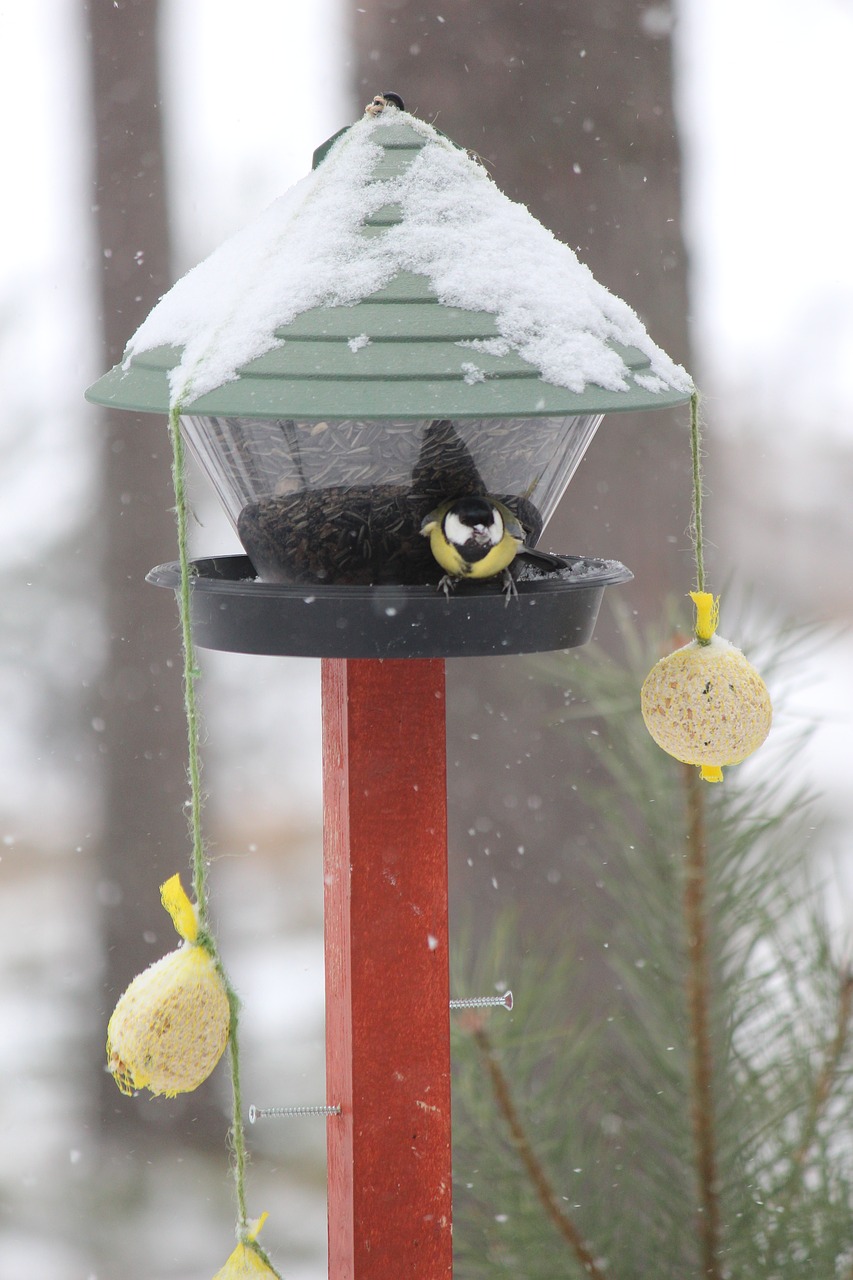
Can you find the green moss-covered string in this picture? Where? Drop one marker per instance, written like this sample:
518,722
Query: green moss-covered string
191,671
696,523
237,1136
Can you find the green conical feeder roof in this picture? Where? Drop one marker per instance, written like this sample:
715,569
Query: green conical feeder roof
395,281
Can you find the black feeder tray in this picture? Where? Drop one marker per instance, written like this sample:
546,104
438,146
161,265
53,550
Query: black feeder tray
233,610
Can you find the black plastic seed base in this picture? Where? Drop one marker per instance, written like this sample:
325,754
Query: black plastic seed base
234,611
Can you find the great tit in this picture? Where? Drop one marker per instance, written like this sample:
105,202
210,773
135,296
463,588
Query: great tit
381,101
474,537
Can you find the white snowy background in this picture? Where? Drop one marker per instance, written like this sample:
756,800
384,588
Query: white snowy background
764,94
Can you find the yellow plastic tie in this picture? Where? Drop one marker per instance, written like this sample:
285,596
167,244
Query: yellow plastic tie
254,1225
248,1261
707,614
179,907
711,773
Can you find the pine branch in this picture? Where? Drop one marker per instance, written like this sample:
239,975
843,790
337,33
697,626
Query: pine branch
698,1005
820,1095
828,1073
538,1177
713,1092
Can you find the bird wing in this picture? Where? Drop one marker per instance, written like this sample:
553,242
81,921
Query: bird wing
512,524
434,518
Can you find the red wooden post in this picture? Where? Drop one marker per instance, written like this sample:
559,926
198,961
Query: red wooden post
387,984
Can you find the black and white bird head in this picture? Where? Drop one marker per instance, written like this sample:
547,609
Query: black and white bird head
474,526
383,100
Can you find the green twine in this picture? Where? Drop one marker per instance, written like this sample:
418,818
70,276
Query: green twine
237,1134
191,670
696,523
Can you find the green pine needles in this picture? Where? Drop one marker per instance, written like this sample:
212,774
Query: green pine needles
697,1120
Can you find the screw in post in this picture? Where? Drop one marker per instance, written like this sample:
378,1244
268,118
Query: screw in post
268,1113
478,1002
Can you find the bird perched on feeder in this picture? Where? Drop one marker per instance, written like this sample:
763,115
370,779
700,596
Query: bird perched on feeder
478,537
382,100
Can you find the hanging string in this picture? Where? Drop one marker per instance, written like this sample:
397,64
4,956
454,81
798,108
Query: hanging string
237,1135
191,670
696,523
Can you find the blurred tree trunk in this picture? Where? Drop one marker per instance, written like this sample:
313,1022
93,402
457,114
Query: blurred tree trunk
139,697
570,106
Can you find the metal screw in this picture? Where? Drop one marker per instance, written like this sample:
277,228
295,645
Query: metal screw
477,1002
266,1113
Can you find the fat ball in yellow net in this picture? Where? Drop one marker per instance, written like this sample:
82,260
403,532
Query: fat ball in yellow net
169,1029
705,704
173,1023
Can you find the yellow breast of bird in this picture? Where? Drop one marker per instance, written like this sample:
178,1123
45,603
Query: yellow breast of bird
455,564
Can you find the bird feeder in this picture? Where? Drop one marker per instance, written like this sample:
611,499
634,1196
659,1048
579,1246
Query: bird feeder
392,333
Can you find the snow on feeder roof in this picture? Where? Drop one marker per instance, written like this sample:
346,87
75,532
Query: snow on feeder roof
396,280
